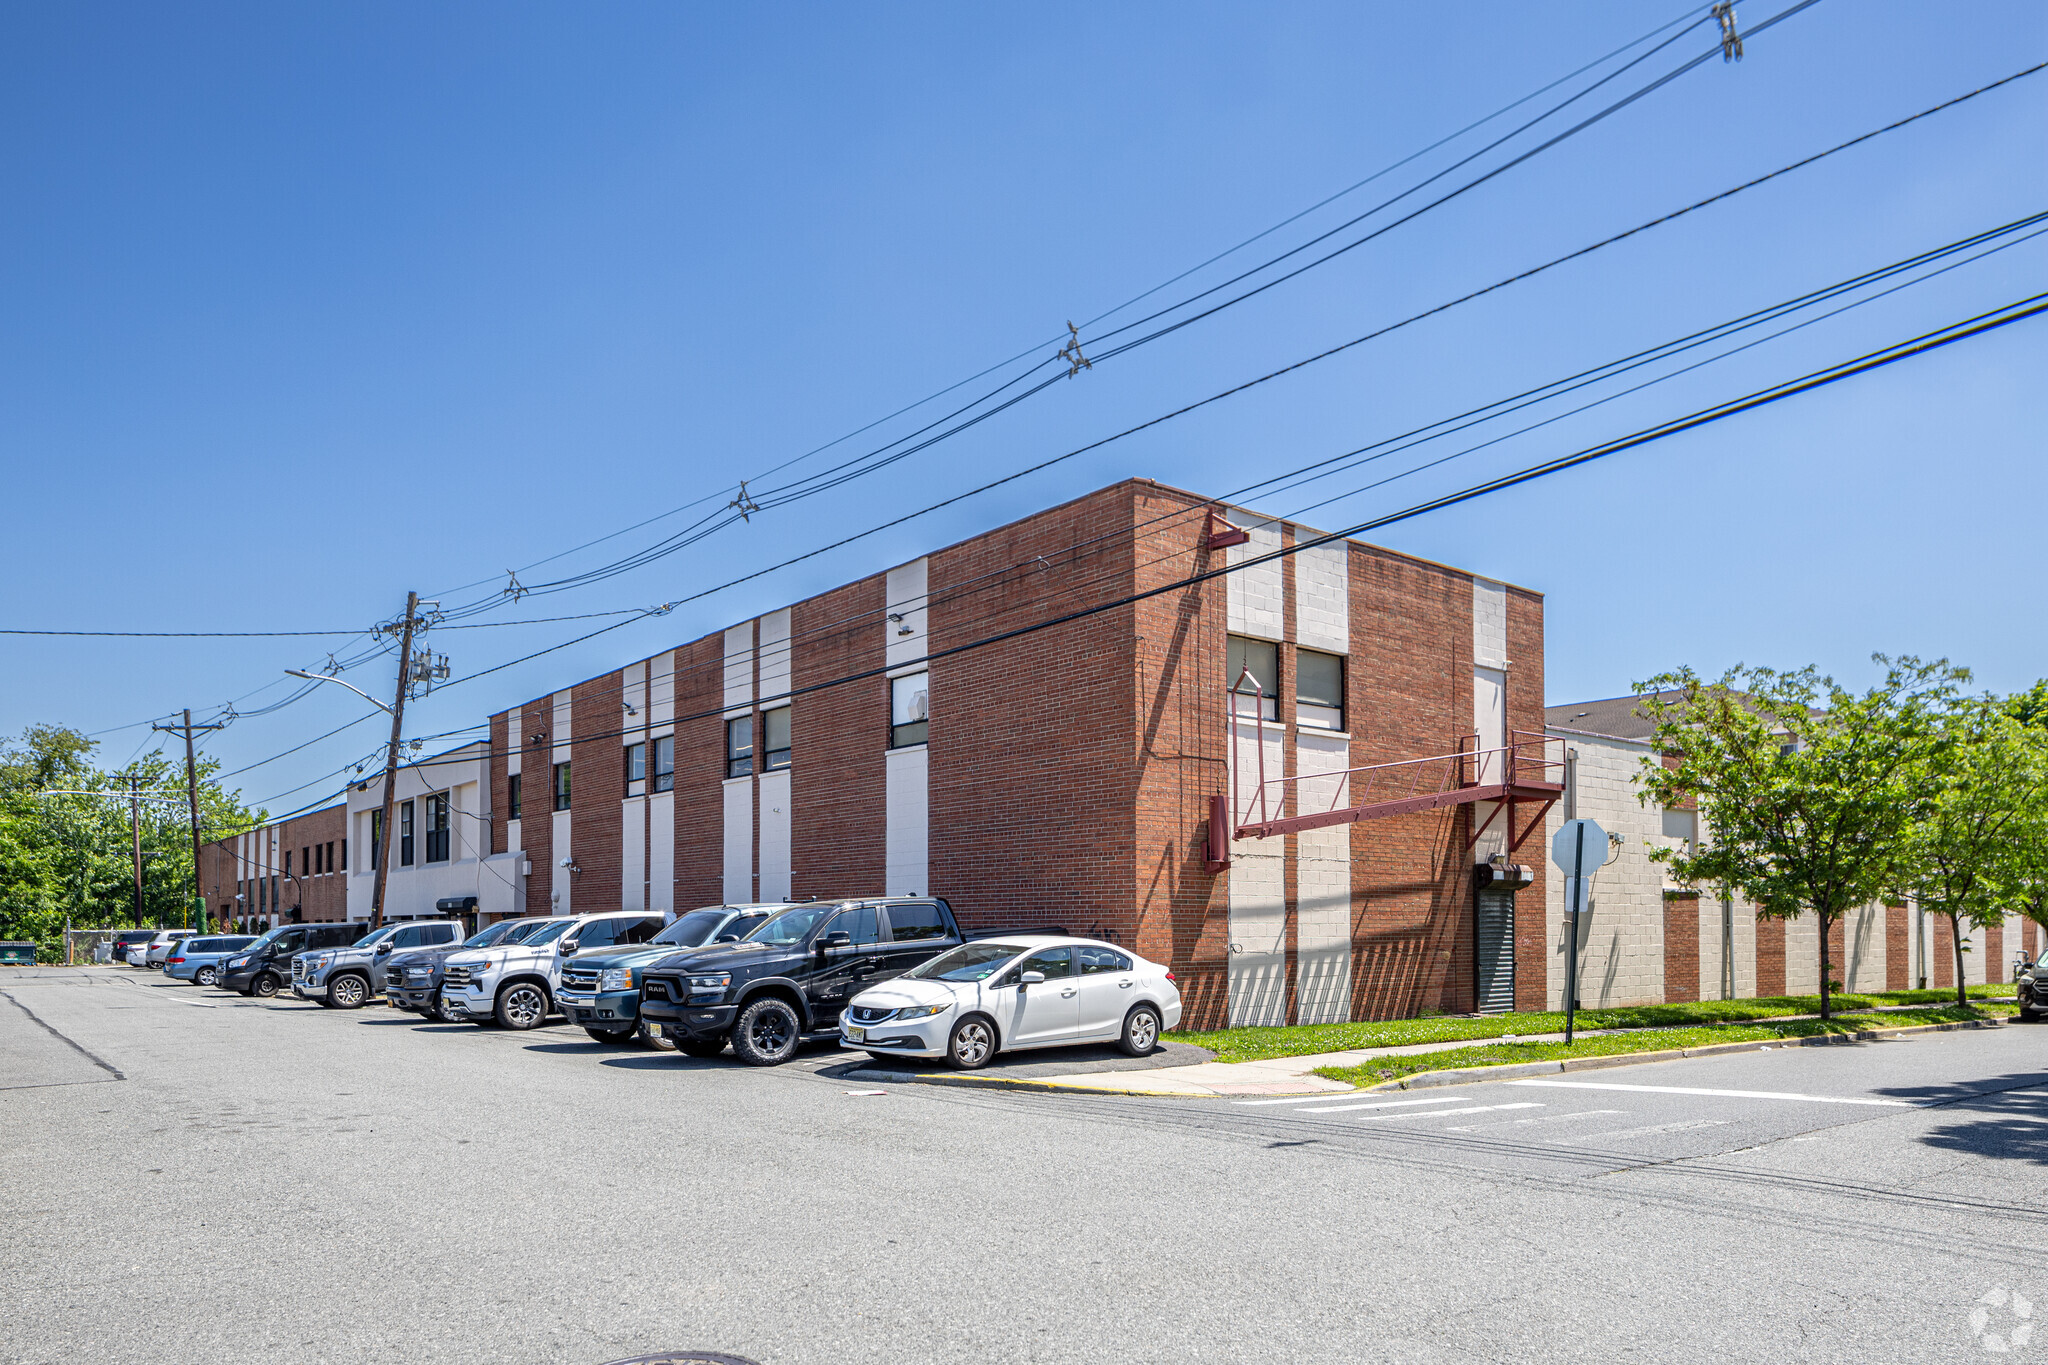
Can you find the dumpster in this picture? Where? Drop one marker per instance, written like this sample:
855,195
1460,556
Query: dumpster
17,954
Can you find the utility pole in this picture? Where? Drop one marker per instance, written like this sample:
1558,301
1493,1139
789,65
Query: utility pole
192,803
405,674
135,836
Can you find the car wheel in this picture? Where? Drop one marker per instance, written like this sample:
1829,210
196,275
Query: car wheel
205,976
701,1047
348,991
973,1043
440,1010
522,1005
1141,1032
766,1033
612,1035
264,985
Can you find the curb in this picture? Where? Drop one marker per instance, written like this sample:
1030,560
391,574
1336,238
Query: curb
1423,1080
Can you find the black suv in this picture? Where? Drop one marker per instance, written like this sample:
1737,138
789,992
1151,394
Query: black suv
787,981
266,964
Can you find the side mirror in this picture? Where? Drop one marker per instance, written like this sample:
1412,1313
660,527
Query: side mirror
383,948
838,938
568,946
727,938
1033,978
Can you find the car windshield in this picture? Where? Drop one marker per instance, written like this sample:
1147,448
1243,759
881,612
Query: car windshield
372,939
692,929
792,926
968,962
263,941
524,929
548,931
485,937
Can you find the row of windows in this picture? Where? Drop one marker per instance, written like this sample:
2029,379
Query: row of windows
315,859
435,817
1318,683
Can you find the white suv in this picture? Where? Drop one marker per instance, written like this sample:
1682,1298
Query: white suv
515,983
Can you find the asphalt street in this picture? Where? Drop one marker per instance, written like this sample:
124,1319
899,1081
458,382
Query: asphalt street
191,1176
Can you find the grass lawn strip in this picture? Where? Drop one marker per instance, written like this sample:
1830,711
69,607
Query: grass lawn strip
1383,1069
1260,1044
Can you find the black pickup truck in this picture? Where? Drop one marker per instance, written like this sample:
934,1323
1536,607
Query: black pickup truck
788,980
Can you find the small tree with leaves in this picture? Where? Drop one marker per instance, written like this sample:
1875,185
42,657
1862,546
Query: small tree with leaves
1806,791
1977,839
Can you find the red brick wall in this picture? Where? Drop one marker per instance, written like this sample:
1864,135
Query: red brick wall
700,766
320,896
1994,954
1941,946
1032,739
1525,713
1898,949
501,795
597,787
537,802
1411,876
1182,911
1681,947
1838,951
1770,956
838,739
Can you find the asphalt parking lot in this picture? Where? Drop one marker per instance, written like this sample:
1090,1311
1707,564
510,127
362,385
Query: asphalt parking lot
197,1177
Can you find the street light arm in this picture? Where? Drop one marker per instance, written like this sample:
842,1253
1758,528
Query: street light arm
323,677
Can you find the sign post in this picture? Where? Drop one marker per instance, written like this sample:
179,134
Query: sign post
1579,850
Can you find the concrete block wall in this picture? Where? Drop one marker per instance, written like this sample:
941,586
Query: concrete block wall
1621,939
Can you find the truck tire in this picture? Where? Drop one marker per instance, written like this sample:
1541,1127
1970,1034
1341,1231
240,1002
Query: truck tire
438,1009
522,1005
613,1036
265,985
347,991
767,1032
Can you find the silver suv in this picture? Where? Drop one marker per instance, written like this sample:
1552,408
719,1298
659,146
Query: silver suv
515,983
346,978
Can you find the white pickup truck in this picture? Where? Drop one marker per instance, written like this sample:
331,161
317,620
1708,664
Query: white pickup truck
515,983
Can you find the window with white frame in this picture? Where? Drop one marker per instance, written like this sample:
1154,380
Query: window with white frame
1258,694
1318,690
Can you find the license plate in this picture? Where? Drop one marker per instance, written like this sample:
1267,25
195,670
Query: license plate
855,1033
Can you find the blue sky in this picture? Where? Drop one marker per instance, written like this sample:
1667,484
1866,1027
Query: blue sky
309,305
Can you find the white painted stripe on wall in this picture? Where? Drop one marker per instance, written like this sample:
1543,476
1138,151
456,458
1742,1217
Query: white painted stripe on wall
775,653
1257,974
1254,599
1322,970
905,594
1322,598
1489,623
633,853
907,860
739,840
561,727
661,852
739,667
775,836
563,881
633,694
661,698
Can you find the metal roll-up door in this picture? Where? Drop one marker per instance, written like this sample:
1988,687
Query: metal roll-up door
1496,950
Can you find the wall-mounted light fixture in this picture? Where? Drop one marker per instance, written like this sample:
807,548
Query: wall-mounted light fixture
902,626
570,863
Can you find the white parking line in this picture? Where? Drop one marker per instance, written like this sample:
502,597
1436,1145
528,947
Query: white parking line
1446,1113
1541,1118
1297,1099
1376,1104
1724,1094
1645,1132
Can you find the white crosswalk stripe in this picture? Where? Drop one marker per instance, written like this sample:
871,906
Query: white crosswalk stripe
1446,1113
1727,1094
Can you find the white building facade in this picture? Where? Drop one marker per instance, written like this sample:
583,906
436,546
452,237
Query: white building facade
440,859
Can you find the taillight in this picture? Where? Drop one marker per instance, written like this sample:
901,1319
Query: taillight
1172,979
176,960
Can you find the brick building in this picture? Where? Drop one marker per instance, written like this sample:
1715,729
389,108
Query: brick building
1647,940
912,733
280,873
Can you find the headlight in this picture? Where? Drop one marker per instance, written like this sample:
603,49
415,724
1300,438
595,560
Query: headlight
318,960
615,979
718,981
923,1011
239,962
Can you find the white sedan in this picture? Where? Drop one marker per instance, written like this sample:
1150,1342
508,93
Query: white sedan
1013,993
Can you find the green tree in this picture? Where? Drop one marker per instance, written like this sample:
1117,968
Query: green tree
1806,790
1977,837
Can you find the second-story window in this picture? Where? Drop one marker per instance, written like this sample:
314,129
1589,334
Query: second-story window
405,834
636,770
739,746
910,710
437,828
561,786
665,763
1258,695
512,797
775,739
1318,690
